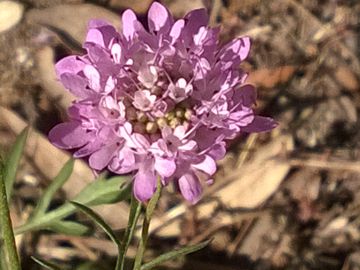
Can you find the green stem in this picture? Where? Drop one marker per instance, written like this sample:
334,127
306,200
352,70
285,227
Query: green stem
135,210
8,239
145,227
142,245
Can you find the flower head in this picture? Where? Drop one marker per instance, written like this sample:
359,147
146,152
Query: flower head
161,101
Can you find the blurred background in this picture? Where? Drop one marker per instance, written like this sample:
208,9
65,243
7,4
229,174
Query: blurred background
285,200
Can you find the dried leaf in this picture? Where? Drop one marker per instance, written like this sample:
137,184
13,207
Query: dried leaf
346,78
268,78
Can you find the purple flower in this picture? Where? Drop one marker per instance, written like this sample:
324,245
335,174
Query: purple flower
157,102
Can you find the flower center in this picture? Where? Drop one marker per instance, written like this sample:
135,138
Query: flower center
156,101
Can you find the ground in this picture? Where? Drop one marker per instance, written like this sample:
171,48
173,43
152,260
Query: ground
284,200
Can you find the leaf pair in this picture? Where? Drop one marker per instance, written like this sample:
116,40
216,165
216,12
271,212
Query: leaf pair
101,191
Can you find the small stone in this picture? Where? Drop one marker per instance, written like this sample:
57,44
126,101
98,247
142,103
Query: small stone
10,14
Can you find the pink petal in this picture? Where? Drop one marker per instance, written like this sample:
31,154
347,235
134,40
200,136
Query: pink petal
179,131
76,85
159,18
127,158
189,146
93,77
128,23
100,33
124,162
165,167
218,151
88,149
260,124
144,185
246,94
100,159
195,19
190,188
208,165
176,30
236,51
69,135
243,117
95,36
96,23
69,64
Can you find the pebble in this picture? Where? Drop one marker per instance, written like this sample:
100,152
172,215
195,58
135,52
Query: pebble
10,14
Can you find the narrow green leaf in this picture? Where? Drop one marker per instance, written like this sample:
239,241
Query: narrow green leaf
12,162
8,252
98,192
104,191
46,264
69,228
98,220
174,254
56,184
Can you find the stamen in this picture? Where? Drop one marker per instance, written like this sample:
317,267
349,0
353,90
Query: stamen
179,112
139,127
151,127
188,113
131,113
161,122
141,117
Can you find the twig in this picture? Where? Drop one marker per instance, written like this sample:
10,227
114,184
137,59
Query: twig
326,164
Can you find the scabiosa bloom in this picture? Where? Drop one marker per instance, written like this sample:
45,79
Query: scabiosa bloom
160,101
